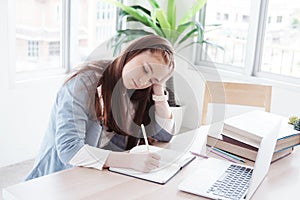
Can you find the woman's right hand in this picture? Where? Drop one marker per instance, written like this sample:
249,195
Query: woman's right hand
144,161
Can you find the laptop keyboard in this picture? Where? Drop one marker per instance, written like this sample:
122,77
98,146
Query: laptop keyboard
233,183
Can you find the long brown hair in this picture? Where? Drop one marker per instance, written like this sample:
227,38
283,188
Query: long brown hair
141,99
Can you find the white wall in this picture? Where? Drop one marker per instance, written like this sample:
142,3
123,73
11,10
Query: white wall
24,107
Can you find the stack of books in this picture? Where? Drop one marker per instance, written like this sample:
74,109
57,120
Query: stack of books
242,134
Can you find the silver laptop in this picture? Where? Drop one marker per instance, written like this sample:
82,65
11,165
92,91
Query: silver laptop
221,179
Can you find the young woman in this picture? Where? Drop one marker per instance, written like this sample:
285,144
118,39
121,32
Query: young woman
98,112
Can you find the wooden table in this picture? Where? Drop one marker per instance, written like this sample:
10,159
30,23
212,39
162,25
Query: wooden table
282,182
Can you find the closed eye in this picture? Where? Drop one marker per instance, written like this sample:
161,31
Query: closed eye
146,69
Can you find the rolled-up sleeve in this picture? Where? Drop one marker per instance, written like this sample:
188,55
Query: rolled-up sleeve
167,124
89,156
71,118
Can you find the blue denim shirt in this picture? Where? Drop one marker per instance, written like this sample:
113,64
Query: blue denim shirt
72,125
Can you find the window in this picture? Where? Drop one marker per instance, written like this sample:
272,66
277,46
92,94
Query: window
33,49
106,22
97,24
269,20
232,35
53,35
226,17
245,18
38,30
218,16
54,48
279,19
262,39
281,44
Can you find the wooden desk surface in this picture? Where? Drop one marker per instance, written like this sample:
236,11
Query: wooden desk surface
282,182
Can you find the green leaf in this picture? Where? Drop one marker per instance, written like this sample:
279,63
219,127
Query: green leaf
123,13
153,15
139,15
197,30
171,12
182,27
136,13
134,31
213,44
124,36
162,18
189,44
188,35
154,3
157,23
200,31
164,24
293,120
198,4
130,18
202,42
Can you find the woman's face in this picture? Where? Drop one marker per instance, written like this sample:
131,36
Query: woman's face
144,70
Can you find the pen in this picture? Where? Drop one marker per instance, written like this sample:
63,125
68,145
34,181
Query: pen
230,155
222,155
200,155
145,137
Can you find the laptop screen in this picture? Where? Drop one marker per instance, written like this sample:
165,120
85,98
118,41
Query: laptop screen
263,159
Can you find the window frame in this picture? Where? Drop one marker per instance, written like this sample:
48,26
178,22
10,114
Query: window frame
74,52
19,77
254,50
69,48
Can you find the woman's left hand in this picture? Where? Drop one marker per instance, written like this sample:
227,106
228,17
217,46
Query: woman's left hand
158,89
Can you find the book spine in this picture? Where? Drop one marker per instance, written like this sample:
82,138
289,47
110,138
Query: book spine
287,143
238,143
241,138
229,154
232,148
242,133
241,151
282,154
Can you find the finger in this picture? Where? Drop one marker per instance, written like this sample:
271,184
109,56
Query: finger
155,156
157,84
152,140
154,164
146,170
151,167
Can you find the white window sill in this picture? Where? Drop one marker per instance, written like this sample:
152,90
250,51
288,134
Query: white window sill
24,79
225,75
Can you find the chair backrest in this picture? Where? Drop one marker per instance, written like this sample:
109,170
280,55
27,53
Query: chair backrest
236,94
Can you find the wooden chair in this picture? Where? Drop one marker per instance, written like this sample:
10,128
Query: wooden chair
236,94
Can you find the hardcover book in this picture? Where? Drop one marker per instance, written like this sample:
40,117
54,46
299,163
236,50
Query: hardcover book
241,135
251,127
241,149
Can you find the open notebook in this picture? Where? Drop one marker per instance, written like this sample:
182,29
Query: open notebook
171,163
